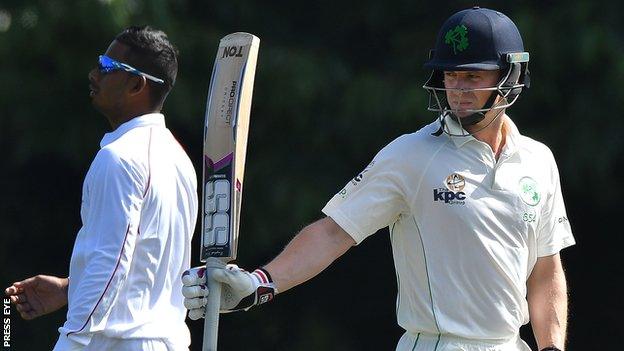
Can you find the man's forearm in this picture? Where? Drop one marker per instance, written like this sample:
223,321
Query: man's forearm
309,253
548,302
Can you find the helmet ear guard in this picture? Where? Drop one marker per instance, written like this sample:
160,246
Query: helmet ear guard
512,80
517,76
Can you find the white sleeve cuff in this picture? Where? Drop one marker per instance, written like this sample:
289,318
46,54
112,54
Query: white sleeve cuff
554,248
345,223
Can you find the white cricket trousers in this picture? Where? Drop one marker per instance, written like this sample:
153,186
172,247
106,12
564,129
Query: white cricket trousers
435,342
102,343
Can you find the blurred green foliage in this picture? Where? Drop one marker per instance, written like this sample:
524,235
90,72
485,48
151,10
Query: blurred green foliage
336,81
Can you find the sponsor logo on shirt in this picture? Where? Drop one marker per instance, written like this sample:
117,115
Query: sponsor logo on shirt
452,194
449,197
455,182
343,193
358,178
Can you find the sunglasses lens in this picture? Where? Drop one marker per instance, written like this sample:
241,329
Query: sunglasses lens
106,64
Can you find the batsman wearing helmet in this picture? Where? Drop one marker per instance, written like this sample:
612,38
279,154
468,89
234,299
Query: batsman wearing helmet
475,210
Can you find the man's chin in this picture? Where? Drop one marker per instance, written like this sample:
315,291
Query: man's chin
461,111
96,105
463,114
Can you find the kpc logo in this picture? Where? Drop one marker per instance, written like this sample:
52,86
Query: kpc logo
449,197
453,193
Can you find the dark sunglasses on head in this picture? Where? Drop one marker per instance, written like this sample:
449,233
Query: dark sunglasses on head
107,64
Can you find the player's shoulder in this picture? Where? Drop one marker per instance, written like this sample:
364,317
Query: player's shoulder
130,148
537,155
109,153
113,159
417,142
535,148
131,142
428,134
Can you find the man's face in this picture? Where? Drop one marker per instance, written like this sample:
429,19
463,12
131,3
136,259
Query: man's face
108,90
461,101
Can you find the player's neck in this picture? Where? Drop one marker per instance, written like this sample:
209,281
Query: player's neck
127,114
494,134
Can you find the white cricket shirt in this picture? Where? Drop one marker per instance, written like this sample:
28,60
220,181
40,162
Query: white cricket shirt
139,207
466,230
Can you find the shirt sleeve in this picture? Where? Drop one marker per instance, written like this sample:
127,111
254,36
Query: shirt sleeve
116,191
370,201
554,231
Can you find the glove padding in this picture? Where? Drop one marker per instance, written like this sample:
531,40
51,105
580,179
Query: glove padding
240,289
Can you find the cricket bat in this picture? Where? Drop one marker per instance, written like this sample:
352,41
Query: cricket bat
225,143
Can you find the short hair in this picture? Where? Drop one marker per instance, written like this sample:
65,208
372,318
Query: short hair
152,53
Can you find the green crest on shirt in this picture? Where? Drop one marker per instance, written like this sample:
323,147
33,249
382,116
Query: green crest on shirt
529,191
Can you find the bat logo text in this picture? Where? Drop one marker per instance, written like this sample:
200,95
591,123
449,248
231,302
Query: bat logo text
230,103
232,51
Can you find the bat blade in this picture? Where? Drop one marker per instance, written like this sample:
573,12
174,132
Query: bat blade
225,144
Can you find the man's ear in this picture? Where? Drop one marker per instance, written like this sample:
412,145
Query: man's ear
136,84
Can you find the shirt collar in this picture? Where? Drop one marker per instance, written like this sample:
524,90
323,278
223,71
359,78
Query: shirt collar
456,130
511,142
150,119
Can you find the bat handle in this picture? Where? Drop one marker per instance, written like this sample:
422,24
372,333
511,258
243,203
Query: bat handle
211,319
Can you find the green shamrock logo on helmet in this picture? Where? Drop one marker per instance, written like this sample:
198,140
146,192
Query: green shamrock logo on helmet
458,38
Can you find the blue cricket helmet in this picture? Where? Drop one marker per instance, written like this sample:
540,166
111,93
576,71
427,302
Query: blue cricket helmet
478,39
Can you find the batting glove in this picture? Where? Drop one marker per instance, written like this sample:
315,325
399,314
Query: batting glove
240,289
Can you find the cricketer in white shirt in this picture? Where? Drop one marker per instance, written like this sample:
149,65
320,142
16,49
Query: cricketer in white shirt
466,231
139,207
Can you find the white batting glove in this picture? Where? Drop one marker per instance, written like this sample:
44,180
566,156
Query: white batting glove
240,289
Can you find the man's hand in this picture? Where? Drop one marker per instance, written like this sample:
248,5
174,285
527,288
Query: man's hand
240,291
38,295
